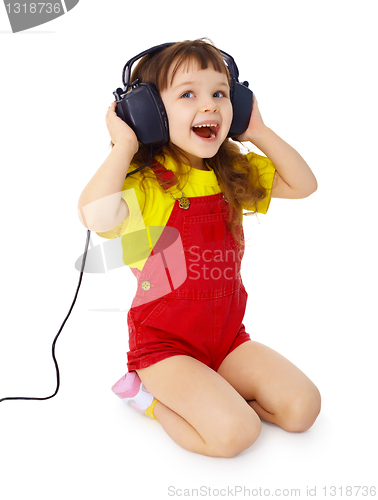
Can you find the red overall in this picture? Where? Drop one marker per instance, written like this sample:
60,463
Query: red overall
203,316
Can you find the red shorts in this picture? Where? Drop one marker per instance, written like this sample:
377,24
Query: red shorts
170,327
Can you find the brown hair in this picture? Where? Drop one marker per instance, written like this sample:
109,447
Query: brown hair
237,177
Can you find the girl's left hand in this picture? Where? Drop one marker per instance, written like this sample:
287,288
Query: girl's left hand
256,124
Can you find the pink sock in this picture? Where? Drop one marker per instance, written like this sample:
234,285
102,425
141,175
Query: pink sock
132,391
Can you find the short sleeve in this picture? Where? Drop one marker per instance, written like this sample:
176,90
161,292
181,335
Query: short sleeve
266,172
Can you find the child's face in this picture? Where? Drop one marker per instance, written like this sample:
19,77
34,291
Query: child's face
198,97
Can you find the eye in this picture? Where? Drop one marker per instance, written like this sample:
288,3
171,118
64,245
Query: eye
220,94
186,95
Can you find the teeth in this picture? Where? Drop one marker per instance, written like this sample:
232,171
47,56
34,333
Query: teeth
208,125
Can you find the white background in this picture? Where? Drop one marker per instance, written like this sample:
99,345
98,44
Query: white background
310,269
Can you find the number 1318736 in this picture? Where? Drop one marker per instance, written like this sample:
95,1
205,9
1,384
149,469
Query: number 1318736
349,491
34,8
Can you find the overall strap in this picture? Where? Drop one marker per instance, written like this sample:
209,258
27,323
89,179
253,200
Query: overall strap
165,177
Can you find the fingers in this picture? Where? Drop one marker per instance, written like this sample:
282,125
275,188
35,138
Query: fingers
118,128
111,109
111,116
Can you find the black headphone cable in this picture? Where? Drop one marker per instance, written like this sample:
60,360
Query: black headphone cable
61,328
145,165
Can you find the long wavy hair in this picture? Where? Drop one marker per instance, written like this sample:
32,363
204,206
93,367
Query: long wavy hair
237,177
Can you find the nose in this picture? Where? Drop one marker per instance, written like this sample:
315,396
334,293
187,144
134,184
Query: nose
209,105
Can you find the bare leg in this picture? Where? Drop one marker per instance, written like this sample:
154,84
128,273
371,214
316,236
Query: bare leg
275,388
199,409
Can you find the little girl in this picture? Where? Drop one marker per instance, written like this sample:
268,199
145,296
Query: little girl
192,365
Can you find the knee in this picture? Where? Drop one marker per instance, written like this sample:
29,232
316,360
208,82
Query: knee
238,435
302,411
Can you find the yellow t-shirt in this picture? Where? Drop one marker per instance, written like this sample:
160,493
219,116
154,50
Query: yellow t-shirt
155,208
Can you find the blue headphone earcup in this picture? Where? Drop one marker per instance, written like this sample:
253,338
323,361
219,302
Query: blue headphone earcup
241,99
143,110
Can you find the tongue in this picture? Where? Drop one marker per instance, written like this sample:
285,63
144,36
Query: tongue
203,132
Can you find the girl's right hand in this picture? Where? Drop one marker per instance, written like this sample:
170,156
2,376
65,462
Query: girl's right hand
119,130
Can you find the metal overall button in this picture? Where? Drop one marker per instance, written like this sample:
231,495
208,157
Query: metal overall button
184,202
146,285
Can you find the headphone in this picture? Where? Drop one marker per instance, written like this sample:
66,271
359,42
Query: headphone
140,105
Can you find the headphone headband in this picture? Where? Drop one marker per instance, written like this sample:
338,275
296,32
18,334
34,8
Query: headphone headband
126,73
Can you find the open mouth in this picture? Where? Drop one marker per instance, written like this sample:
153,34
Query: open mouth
206,131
